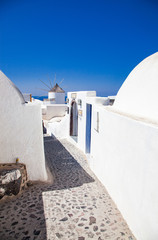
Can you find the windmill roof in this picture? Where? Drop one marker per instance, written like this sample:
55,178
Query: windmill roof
57,89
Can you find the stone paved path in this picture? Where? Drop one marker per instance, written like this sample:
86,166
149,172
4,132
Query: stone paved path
75,207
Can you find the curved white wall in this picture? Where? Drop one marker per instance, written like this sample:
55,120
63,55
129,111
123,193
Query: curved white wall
21,131
139,93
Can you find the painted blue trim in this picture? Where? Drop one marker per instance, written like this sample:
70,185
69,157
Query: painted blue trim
88,127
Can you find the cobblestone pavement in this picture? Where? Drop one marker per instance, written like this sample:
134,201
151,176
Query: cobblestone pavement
75,207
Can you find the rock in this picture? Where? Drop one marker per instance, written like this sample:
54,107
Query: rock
81,238
36,232
2,192
14,223
92,220
33,216
32,205
20,228
29,183
95,228
59,235
64,219
26,238
76,220
70,215
81,224
7,176
90,234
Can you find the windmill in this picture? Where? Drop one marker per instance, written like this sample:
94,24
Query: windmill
56,94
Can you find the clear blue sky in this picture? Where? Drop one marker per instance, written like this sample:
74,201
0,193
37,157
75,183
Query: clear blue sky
92,44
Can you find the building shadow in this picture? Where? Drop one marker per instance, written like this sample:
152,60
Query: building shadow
26,216
66,171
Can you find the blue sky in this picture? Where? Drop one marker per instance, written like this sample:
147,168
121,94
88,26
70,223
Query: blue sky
93,45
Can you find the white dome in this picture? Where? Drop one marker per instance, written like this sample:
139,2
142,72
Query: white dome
139,93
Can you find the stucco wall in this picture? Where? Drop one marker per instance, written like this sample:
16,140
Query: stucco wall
21,131
58,127
53,110
124,157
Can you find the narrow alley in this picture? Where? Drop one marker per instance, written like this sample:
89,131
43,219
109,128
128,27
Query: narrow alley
76,206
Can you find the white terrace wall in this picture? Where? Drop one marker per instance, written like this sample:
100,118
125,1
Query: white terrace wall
53,110
21,131
124,156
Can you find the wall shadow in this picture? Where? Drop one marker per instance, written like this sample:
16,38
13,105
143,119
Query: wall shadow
66,171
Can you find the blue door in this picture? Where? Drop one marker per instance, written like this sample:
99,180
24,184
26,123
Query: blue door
88,128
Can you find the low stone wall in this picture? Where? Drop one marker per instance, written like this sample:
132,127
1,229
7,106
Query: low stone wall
13,179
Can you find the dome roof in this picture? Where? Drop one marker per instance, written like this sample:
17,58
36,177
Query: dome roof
7,85
139,93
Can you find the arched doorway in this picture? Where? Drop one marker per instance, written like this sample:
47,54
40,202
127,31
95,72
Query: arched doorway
74,120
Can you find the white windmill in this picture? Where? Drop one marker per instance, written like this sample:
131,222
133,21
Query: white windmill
56,94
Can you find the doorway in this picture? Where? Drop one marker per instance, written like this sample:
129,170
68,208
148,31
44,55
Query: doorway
74,120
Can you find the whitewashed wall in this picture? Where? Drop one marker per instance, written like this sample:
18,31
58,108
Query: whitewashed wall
53,110
21,131
58,127
124,156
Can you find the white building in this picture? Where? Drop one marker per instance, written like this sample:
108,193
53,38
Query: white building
121,142
21,131
56,95
55,105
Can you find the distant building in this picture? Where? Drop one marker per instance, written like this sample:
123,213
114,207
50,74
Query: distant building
56,95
